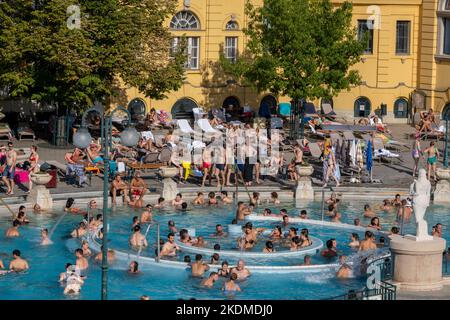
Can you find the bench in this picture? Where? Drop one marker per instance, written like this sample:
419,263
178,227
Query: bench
132,167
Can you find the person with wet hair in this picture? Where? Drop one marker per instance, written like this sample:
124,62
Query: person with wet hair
354,240
230,286
209,282
368,243
134,267
215,258
14,230
198,267
269,247
331,250
137,239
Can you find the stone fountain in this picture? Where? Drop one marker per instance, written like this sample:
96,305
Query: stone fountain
40,194
418,259
170,188
304,189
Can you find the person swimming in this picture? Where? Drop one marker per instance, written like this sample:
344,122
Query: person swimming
45,240
73,281
224,271
241,271
209,282
354,240
18,264
198,268
230,286
133,267
269,247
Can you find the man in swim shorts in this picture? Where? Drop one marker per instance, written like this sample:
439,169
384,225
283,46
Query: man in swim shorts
138,186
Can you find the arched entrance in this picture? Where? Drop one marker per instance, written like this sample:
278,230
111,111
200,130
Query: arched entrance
362,107
401,108
231,101
446,112
182,109
268,106
137,109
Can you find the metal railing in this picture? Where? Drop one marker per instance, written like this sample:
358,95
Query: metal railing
382,290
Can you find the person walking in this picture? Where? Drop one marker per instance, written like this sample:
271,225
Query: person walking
416,154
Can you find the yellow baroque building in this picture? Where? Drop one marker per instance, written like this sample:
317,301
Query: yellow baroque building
405,68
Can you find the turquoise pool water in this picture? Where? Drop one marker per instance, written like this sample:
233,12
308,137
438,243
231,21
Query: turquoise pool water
46,262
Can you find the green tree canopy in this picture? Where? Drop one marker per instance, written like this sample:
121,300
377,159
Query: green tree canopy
49,52
301,49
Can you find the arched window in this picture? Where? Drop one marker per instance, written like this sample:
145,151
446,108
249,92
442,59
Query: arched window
362,107
136,107
446,112
444,28
231,101
182,109
232,25
185,20
401,108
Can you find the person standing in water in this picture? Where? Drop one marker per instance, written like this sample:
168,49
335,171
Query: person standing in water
209,282
231,286
18,264
45,240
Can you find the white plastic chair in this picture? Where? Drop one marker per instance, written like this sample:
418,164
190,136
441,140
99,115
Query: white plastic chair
206,126
184,126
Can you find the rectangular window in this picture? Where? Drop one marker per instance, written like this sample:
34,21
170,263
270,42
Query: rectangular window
366,26
231,48
446,47
403,36
192,51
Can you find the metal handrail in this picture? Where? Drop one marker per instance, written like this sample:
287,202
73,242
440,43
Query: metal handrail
386,291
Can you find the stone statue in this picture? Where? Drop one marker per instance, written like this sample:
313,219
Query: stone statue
420,190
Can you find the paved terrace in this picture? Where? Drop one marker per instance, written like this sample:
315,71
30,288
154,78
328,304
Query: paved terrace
395,177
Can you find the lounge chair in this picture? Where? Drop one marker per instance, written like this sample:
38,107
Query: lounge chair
184,126
25,133
206,126
328,111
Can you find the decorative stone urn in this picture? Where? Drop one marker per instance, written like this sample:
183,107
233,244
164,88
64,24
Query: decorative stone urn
40,194
442,191
304,189
170,188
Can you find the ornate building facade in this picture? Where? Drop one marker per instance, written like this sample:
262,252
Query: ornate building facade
406,66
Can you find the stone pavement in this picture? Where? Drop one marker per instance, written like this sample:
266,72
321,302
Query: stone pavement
391,175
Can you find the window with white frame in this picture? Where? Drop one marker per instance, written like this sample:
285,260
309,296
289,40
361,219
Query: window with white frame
231,48
444,27
192,51
185,20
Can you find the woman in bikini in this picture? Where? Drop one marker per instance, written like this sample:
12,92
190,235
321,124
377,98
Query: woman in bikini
330,167
34,167
433,156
